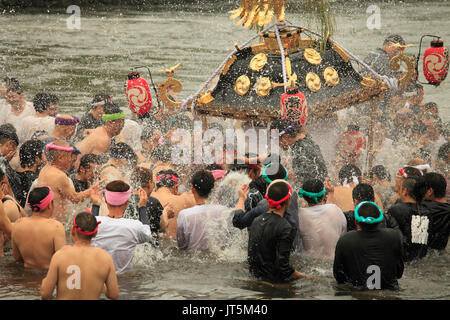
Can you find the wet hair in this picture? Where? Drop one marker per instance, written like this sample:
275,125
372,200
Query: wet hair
28,152
8,132
284,125
162,152
443,151
277,191
87,159
36,195
313,186
416,187
368,210
53,153
279,174
100,97
363,192
147,133
412,172
14,86
164,178
213,166
117,186
423,154
203,182
53,98
111,108
352,127
86,222
436,182
348,171
380,172
140,177
41,102
124,151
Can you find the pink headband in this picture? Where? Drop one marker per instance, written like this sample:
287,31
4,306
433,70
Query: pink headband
52,145
117,198
218,174
44,203
86,233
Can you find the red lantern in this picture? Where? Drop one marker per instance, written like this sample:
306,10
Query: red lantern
293,106
138,94
435,63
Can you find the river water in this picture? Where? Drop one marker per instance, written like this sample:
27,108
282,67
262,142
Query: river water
45,55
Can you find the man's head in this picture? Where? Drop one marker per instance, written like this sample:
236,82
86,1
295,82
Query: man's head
31,153
84,227
394,45
379,173
363,192
117,194
288,131
279,195
40,200
274,171
122,151
149,139
202,183
113,118
3,85
404,173
60,154
168,179
8,141
349,174
66,125
100,99
444,153
88,169
53,109
414,188
142,178
437,186
14,93
41,102
313,191
368,215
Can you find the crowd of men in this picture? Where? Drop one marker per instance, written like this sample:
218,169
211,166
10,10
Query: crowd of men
122,169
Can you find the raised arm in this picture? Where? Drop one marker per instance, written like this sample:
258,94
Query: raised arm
50,281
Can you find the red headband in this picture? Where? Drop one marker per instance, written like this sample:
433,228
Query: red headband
277,204
86,233
402,173
167,176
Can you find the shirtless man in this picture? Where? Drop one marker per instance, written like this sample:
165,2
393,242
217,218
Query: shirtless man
35,239
53,174
167,194
99,140
5,222
93,266
122,160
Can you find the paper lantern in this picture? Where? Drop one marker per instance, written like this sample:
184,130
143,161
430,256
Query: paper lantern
293,106
138,94
435,62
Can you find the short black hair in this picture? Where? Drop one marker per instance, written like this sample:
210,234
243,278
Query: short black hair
416,187
313,186
98,98
140,177
41,102
86,222
380,172
117,186
162,152
278,190
8,132
14,86
53,98
111,108
167,178
203,182
363,192
444,151
436,181
123,150
348,171
28,152
87,159
368,210
36,195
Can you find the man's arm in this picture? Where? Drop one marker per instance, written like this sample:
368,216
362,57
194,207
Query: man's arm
15,249
112,286
338,264
5,223
243,219
68,191
60,237
50,281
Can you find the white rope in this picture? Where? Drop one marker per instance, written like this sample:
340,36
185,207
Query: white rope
283,61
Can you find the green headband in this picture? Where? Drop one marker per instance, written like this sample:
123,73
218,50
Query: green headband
113,116
369,220
267,179
312,195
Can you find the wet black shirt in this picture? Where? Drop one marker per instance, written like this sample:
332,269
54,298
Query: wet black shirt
357,250
13,178
269,247
154,212
439,224
387,222
26,180
403,212
307,160
79,185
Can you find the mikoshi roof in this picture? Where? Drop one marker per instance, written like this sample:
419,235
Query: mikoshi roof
252,80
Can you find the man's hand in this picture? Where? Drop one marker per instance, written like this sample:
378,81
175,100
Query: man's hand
95,194
143,197
243,191
328,186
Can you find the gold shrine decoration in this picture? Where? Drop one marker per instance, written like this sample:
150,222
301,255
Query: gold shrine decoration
263,86
313,82
258,62
242,85
410,64
258,12
162,92
312,56
331,76
228,64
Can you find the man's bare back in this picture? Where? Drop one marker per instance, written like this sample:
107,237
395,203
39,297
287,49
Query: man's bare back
97,142
80,272
35,240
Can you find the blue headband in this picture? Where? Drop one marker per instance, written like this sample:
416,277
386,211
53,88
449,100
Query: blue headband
312,195
267,179
369,220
